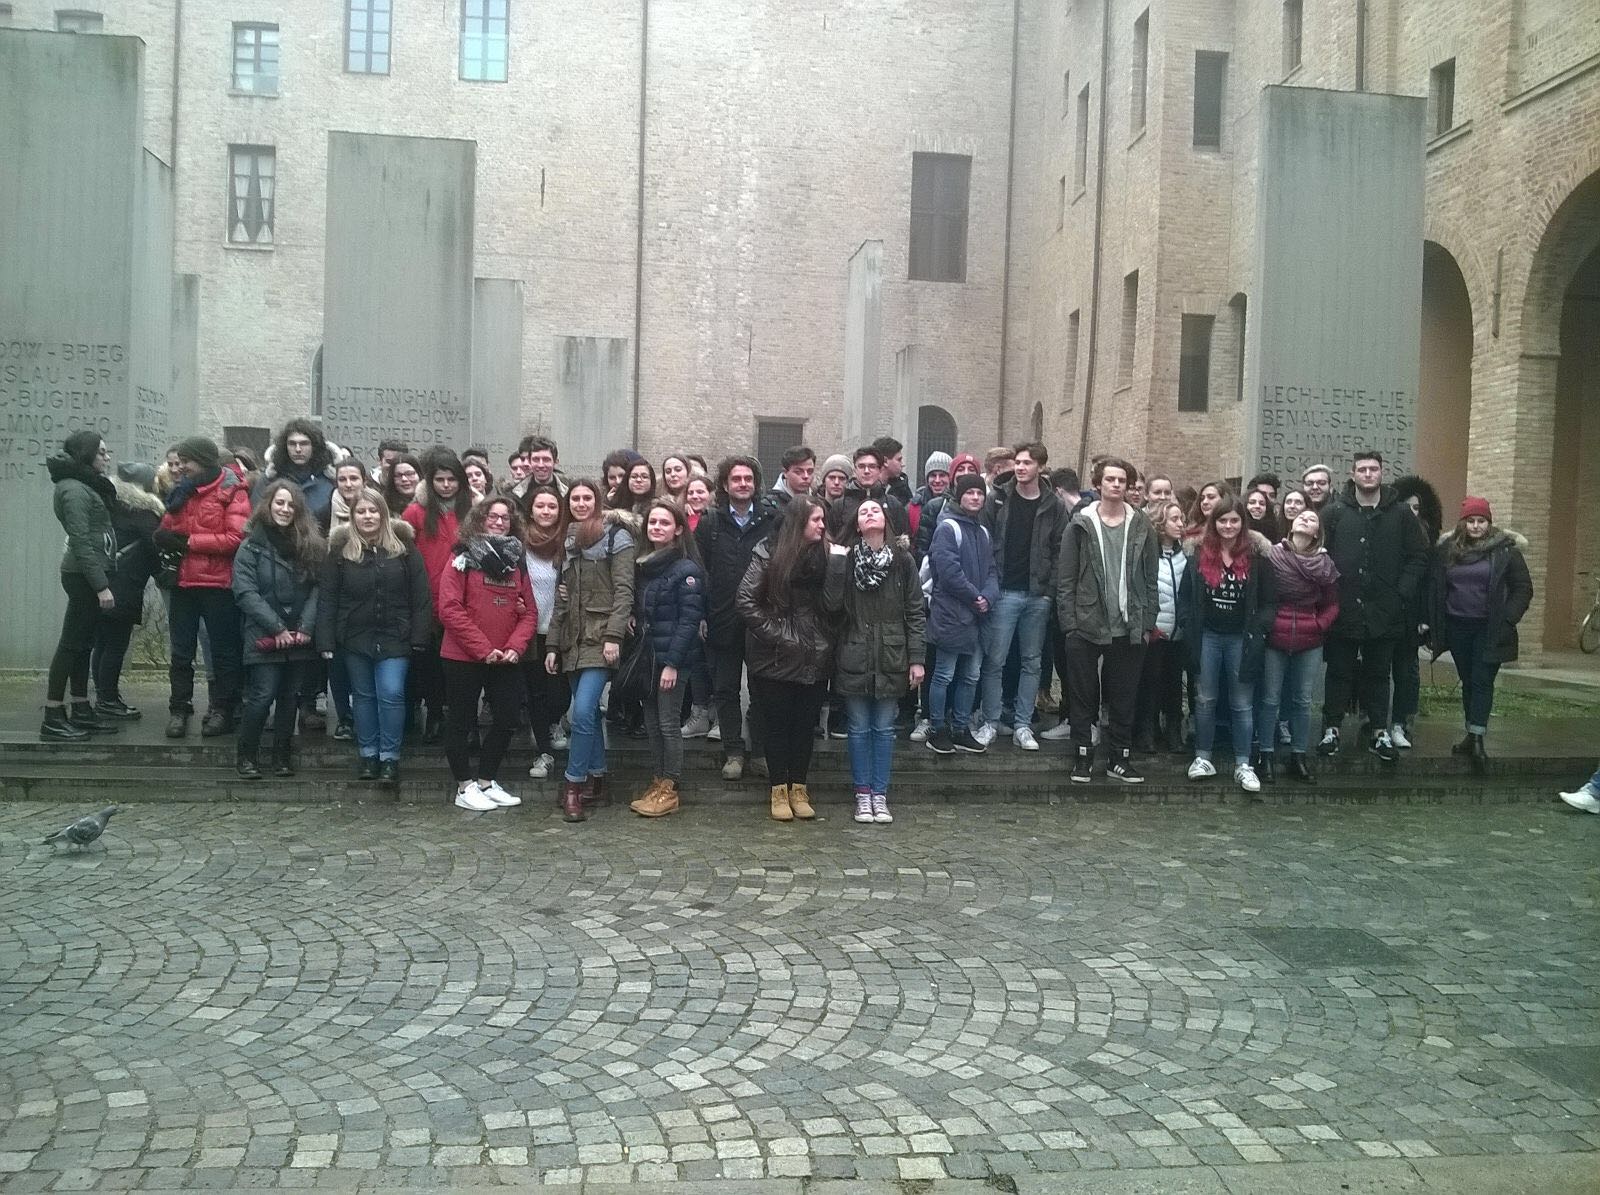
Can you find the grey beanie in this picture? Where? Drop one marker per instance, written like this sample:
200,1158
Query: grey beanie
837,463
937,462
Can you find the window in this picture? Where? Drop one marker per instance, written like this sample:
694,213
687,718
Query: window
1210,74
1293,12
1194,363
484,40
1066,94
255,58
774,437
1061,205
936,432
252,171
366,37
73,20
1130,328
939,186
1240,326
1069,387
1442,96
1141,69
1080,169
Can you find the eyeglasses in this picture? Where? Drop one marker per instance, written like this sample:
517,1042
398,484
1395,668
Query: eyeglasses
497,518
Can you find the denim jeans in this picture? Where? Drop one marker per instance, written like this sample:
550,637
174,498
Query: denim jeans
1289,677
1023,618
586,746
962,667
1220,657
871,741
1468,640
378,701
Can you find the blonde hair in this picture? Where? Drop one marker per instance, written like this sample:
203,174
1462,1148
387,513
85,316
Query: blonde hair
387,542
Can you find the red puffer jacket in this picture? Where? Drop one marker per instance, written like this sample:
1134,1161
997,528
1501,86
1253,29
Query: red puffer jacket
481,615
1308,599
213,518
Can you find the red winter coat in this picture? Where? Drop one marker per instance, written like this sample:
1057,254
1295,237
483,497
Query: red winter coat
480,615
438,548
213,518
1308,599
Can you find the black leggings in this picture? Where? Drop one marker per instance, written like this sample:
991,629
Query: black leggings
788,722
547,695
110,653
76,644
464,680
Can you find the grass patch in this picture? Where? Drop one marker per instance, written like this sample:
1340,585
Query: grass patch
1444,700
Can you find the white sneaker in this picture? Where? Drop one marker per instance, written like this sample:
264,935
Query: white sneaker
1586,799
919,732
733,769
880,809
699,723
984,734
1094,735
498,795
1023,738
541,767
559,740
1247,778
1060,732
863,808
714,735
1201,769
1397,736
472,798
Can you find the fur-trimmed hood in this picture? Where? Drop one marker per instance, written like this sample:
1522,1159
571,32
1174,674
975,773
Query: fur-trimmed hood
1497,538
134,498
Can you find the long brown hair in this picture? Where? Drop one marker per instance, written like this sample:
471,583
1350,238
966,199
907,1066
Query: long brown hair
790,553
474,528
542,543
588,532
305,538
685,543
1210,554
1196,518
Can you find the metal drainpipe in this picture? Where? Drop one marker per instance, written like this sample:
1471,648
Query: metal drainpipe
1099,214
638,245
177,74
1011,152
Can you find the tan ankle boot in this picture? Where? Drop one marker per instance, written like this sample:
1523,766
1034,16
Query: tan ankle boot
780,804
647,797
800,802
662,800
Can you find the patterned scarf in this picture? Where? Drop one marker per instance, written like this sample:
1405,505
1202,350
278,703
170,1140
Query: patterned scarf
871,567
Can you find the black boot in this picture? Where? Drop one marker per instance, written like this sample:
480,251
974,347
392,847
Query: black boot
1300,768
1464,747
368,770
435,726
246,765
1476,755
57,726
115,707
216,723
282,758
81,714
389,774
1266,767
178,725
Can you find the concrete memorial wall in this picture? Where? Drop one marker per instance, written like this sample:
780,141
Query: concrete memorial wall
82,296
863,337
1333,353
496,368
590,412
398,291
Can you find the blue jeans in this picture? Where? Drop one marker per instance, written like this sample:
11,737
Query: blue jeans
1024,618
1291,678
586,746
1220,657
964,669
378,701
871,741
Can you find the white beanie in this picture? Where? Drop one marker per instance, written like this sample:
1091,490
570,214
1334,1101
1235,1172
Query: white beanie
938,462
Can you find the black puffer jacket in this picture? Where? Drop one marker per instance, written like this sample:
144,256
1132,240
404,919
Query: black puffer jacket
1510,590
1382,557
842,514
272,595
380,606
797,644
134,518
725,547
669,605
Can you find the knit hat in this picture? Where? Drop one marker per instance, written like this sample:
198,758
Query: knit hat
937,462
82,447
1471,506
200,450
137,473
967,481
965,458
837,463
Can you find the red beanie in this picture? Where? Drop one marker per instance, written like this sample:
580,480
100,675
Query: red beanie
1476,506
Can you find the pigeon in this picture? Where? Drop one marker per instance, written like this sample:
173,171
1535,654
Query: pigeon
86,829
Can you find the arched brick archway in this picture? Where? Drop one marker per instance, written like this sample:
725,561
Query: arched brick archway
1444,405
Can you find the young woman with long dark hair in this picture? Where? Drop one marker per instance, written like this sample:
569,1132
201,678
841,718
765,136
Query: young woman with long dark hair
275,576
675,474
593,604
442,503
1307,584
400,482
1261,517
789,642
1205,502
544,533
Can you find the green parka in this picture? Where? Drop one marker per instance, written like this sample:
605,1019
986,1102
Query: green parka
594,599
883,630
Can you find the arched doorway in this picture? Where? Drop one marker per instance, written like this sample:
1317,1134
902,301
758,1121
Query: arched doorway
1036,423
1444,406
936,432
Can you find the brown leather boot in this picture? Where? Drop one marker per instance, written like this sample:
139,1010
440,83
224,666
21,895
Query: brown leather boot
800,802
572,802
598,793
780,804
647,797
663,801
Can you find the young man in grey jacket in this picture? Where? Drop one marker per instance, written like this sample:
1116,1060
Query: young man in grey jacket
1106,602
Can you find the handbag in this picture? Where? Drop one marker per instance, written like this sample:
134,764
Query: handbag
636,671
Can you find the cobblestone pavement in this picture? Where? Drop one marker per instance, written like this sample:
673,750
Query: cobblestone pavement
231,996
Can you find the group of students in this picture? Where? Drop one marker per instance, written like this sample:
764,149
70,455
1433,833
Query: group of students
422,589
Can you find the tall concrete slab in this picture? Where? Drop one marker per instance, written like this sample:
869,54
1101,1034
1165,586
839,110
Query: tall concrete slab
907,401
863,339
70,170
1334,338
150,430
183,407
497,367
591,414
398,290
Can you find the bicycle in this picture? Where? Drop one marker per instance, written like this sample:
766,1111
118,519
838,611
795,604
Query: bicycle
1589,629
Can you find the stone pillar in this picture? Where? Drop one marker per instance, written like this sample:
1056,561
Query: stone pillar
863,335
497,367
591,413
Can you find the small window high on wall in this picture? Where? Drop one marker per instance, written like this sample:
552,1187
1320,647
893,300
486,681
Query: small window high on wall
773,438
939,188
1194,363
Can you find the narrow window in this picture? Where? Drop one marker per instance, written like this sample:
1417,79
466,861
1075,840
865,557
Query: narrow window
1210,77
1293,13
774,437
1061,205
252,173
1080,169
1069,386
1442,96
484,40
939,189
255,58
1141,70
1240,328
1194,363
1130,328
1066,94
77,20
366,37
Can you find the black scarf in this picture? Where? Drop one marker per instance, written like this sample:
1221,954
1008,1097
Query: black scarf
497,556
